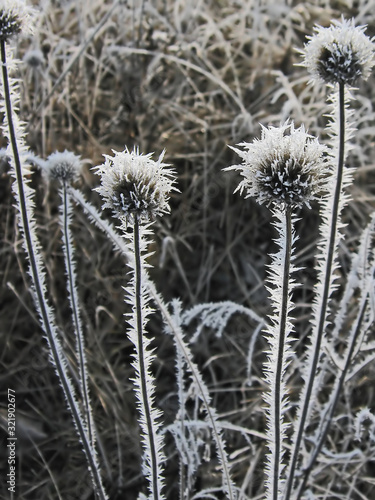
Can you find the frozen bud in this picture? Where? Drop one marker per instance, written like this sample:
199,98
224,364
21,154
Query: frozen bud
64,167
15,16
34,58
286,166
341,53
135,186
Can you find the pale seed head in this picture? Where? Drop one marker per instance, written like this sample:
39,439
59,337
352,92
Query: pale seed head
134,186
341,53
65,166
286,167
15,16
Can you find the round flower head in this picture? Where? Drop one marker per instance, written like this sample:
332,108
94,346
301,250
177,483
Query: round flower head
15,16
64,167
341,53
34,58
286,166
134,185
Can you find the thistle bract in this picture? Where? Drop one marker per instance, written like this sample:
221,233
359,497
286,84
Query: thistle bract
286,166
135,186
14,17
65,166
341,53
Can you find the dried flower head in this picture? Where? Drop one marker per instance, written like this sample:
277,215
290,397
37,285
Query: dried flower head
135,186
34,58
64,167
286,166
341,53
15,16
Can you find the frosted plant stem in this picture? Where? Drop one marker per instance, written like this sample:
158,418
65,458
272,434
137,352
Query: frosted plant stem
325,293
71,279
335,397
280,357
34,272
202,389
142,365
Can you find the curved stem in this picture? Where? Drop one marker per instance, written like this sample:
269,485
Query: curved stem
326,290
142,364
38,286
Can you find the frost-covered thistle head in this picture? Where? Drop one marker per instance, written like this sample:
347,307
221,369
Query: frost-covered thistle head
286,166
34,58
15,16
64,167
341,53
134,186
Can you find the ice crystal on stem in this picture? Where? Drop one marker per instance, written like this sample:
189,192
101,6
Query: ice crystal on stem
136,188
286,166
341,53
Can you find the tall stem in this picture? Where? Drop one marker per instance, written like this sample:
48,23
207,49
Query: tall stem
326,290
142,364
335,397
280,365
38,286
71,280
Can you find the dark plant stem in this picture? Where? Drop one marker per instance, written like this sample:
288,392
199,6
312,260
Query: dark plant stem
75,314
326,290
31,251
328,417
281,348
142,365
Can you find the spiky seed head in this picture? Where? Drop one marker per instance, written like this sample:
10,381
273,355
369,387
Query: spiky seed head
65,166
134,186
15,16
341,53
286,167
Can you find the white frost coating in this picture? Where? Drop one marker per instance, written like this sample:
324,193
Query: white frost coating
276,382
341,53
286,167
134,185
216,315
144,382
25,204
70,270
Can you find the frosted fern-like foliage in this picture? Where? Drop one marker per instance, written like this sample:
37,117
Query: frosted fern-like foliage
216,316
199,388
